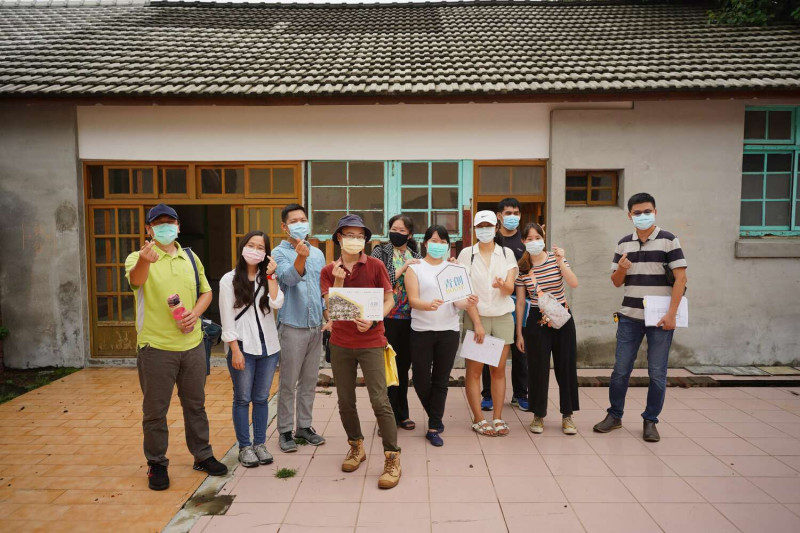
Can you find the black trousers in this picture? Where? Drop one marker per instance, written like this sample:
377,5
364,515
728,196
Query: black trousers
540,342
398,333
519,374
432,357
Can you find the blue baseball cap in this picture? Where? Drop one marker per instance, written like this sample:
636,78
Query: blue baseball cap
159,210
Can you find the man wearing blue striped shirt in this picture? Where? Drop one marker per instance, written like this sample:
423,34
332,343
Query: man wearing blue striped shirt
648,262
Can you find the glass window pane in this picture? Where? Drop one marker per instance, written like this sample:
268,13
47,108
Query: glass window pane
777,214
129,221
779,162
444,198
128,313
414,198
447,219
415,173
797,215
175,181
603,195
420,221
240,221
444,174
104,222
105,251
106,279
527,180
282,181
779,186
780,125
750,214
755,125
329,197
333,173
259,180
126,247
119,181
259,219
366,198
602,181
373,220
494,180
577,181
123,282
324,222
752,186
366,173
211,181
142,181
105,308
576,196
96,186
753,163
234,181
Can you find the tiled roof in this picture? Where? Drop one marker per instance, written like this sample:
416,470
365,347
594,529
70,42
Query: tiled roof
435,50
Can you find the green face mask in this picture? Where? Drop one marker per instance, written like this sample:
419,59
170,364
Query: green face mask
165,233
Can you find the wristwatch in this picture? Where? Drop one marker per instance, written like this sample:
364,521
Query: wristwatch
272,276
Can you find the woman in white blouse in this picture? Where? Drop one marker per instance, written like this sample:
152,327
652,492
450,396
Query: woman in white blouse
247,297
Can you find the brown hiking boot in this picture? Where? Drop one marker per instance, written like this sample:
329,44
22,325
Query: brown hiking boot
355,456
391,471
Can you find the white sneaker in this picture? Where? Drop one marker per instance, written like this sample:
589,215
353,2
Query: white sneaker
568,426
537,426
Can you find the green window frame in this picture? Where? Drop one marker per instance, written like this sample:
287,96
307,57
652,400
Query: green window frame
770,192
427,190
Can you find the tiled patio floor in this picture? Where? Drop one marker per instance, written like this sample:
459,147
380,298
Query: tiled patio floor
729,460
71,455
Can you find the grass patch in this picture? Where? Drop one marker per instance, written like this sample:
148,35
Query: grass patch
286,473
17,382
327,392
301,441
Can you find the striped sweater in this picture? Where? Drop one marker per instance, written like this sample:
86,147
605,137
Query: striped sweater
548,276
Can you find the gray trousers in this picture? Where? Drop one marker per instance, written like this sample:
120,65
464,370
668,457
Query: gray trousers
159,372
301,349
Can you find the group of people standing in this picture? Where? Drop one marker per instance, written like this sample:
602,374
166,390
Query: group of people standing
508,268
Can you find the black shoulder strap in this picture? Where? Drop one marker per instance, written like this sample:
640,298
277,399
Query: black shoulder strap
248,306
190,255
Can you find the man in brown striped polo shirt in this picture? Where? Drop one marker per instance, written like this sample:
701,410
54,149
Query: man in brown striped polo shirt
643,262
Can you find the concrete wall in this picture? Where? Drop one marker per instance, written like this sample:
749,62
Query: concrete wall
688,155
42,251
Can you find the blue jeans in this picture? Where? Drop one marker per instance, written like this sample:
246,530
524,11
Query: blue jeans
629,337
252,385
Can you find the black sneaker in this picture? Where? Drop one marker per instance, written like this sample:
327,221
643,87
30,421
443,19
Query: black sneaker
157,478
212,467
310,436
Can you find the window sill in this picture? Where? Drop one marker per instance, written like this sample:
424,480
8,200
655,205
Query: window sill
768,247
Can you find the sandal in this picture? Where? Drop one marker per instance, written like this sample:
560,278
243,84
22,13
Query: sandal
483,428
500,427
407,424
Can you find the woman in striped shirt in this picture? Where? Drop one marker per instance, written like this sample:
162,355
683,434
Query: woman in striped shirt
543,271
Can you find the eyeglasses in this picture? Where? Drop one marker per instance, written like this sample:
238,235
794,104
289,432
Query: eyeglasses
353,236
645,212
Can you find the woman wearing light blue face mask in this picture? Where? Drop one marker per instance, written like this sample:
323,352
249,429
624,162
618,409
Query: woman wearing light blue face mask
434,329
543,271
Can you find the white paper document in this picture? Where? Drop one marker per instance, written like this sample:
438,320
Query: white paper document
655,307
489,352
347,303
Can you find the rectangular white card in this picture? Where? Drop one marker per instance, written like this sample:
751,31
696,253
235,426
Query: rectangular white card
488,352
347,303
655,307
453,282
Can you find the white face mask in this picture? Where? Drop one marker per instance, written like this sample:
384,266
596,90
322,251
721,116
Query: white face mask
534,247
485,234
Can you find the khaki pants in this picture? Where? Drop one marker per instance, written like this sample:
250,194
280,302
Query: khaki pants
159,372
344,363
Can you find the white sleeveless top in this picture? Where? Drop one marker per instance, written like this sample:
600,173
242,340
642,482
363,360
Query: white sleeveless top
443,319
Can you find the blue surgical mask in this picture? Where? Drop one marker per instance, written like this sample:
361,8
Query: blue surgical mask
437,250
165,233
298,230
644,221
534,247
511,222
485,235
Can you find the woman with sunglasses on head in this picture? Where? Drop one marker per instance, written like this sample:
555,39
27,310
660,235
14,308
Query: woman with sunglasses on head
543,271
248,295
434,329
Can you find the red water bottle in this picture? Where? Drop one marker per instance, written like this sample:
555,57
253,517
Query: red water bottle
177,309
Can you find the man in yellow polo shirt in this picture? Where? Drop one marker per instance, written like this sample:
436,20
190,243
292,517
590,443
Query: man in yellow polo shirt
170,348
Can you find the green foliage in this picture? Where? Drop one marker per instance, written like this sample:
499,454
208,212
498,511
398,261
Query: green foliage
18,382
285,473
754,12
3,332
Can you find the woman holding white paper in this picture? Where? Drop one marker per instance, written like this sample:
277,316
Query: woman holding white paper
492,270
434,329
543,271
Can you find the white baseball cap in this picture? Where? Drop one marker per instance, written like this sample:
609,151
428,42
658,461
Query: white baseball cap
485,216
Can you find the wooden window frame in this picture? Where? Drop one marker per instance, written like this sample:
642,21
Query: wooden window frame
523,198
130,169
223,167
162,181
589,174
272,168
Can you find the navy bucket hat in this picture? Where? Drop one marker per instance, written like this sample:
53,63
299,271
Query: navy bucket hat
353,221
